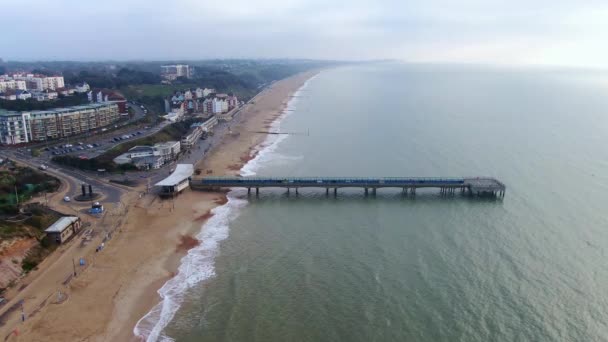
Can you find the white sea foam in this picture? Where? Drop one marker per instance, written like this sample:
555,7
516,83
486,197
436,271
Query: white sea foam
199,264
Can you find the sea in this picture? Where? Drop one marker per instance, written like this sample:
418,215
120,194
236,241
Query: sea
532,266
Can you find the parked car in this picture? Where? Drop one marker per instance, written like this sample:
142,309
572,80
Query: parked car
66,199
43,167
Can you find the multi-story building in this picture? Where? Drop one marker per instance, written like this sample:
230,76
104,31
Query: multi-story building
7,83
105,95
41,82
233,102
190,139
150,157
206,125
219,105
23,127
172,72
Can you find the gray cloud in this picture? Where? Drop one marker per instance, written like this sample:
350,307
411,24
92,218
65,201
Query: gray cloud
484,31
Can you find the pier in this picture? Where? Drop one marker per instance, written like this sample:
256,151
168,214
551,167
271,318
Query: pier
479,186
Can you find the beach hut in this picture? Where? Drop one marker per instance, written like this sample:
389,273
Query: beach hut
63,229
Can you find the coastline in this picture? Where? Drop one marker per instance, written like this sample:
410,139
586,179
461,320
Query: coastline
121,286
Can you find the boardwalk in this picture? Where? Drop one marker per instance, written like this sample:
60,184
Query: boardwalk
481,186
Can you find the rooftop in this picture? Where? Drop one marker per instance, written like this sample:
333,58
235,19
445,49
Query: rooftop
61,110
181,173
166,144
61,224
141,148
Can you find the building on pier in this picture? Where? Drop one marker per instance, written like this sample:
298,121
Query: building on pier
177,181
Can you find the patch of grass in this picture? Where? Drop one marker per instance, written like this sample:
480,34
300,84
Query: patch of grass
35,256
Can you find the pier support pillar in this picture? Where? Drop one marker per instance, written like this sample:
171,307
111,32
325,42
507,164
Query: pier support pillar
374,191
248,191
288,191
297,191
257,191
335,192
326,191
366,191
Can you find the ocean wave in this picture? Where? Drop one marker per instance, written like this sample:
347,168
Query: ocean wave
199,264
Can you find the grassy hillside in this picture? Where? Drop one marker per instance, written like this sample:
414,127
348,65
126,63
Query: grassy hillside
23,182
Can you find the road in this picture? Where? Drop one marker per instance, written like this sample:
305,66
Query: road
75,178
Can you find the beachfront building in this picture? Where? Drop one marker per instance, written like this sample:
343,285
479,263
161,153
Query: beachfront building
197,131
190,139
150,157
206,125
63,229
220,105
177,181
23,127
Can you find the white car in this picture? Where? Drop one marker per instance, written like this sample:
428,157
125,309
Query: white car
66,199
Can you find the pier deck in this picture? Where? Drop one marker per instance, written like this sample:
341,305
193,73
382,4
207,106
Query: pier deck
474,186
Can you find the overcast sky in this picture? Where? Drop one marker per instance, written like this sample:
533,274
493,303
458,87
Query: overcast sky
553,32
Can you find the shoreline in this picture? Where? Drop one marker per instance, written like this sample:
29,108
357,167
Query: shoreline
122,283
216,229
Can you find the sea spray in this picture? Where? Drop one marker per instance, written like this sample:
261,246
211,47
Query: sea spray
198,264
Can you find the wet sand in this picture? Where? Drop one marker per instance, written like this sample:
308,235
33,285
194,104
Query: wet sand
120,285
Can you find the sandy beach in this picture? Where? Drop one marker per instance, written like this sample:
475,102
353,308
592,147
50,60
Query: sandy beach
120,283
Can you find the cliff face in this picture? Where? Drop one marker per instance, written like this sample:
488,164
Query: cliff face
12,253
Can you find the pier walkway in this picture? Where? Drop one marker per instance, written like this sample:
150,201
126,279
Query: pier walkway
482,186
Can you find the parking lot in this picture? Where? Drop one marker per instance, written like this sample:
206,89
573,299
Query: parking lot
96,145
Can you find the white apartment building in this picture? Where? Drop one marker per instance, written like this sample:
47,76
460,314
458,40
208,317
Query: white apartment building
219,106
6,84
41,82
23,127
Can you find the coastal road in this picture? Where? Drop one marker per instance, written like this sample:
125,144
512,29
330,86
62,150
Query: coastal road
112,193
